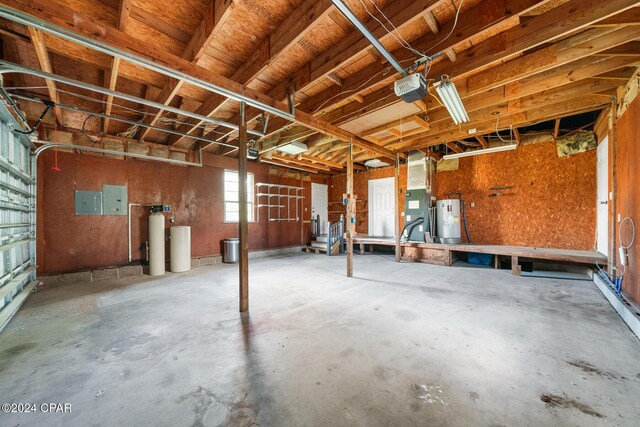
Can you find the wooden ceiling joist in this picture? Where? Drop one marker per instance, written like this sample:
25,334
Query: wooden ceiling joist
64,16
348,49
112,77
37,39
287,34
214,19
296,161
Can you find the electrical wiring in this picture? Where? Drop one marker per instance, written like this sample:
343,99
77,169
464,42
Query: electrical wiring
511,140
405,44
436,98
455,23
633,232
166,120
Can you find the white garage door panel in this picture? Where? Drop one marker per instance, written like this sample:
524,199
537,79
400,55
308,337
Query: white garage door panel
17,219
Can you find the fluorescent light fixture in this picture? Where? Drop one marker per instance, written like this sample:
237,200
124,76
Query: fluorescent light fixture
451,100
294,147
483,151
375,163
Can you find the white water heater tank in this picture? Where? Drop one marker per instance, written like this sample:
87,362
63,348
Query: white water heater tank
180,248
448,220
156,244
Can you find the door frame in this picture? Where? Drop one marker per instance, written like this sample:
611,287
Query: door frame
370,207
602,218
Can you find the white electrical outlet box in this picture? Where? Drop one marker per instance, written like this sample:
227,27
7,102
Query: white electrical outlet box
623,256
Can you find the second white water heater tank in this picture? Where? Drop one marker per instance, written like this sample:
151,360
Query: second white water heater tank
180,248
156,244
448,220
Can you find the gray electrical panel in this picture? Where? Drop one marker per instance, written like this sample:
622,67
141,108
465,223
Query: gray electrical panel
114,199
88,202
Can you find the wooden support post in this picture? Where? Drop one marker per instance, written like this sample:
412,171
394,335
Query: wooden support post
396,182
611,268
244,213
515,267
351,211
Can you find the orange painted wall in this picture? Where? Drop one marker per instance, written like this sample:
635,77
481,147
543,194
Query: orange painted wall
628,190
551,201
67,242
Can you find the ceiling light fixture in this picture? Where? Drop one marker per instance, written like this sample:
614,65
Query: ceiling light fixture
294,147
479,152
375,163
451,100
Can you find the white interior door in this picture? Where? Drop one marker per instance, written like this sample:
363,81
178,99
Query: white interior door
319,204
602,201
381,207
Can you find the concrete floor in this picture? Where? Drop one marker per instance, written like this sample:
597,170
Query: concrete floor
400,344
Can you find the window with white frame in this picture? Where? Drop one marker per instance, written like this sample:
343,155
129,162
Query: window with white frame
232,194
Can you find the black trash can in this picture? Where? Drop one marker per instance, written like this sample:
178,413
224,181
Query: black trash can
231,250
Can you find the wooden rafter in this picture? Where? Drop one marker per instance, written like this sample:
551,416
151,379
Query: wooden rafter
64,16
288,33
37,39
215,16
482,141
123,16
349,48
556,128
549,112
296,161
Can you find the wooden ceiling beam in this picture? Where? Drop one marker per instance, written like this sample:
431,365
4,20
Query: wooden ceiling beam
123,16
528,77
454,147
627,17
70,19
563,108
287,165
215,16
289,33
299,162
401,13
490,51
482,141
516,134
42,53
314,159
518,106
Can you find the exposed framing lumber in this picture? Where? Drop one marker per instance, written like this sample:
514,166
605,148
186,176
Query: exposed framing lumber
351,211
287,165
556,128
244,214
299,162
215,16
516,134
527,75
562,109
66,17
322,161
469,26
482,141
351,47
454,147
42,53
123,16
288,33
